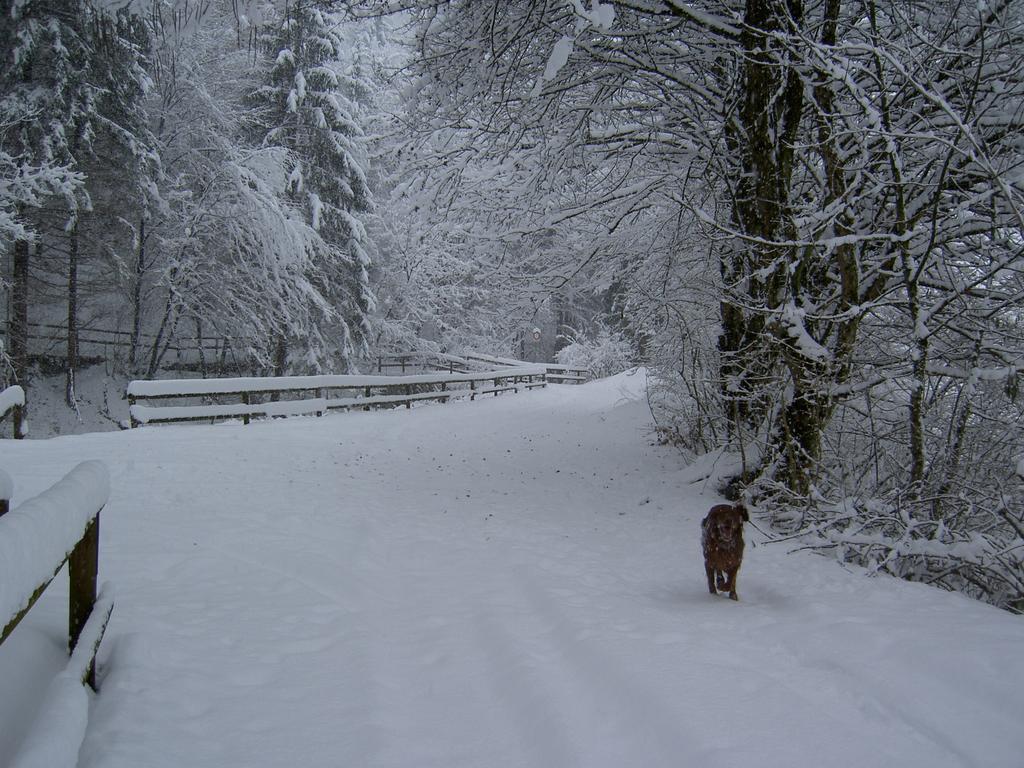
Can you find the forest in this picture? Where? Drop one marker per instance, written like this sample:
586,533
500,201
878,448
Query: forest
804,217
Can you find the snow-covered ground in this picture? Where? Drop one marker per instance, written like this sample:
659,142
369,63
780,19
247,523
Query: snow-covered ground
101,404
510,582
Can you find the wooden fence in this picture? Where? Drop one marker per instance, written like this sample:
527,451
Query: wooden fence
467,363
12,403
313,395
405,362
556,374
59,526
97,344
49,340
560,374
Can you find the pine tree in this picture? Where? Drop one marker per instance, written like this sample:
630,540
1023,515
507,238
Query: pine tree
310,108
44,97
123,163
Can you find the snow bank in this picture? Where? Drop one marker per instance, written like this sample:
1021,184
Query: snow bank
57,732
516,583
55,738
39,534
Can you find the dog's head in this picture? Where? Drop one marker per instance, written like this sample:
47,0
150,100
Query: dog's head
725,521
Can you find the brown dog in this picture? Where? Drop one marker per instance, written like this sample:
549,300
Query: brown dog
722,541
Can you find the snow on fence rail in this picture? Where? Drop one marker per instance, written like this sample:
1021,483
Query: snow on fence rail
60,525
430,361
316,395
468,362
12,401
557,374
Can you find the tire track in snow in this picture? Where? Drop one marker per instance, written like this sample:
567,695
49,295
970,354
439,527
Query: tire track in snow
217,646
541,666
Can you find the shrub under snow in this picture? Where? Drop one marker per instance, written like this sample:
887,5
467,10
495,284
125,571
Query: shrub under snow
608,354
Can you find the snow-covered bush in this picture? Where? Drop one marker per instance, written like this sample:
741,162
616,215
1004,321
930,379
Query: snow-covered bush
608,354
961,528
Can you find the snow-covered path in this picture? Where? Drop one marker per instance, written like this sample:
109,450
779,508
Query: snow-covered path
514,582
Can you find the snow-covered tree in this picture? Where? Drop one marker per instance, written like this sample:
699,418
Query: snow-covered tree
835,186
119,160
310,106
224,253
45,100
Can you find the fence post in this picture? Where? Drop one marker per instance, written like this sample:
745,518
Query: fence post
247,400
408,389
6,491
83,566
18,416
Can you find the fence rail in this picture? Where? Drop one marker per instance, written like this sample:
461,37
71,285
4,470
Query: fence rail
559,374
61,525
314,395
189,351
419,361
466,363
53,335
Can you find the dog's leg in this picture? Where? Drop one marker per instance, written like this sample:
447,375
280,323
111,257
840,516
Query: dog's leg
711,578
733,573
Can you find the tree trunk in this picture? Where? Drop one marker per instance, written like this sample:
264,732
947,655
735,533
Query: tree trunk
911,270
919,383
140,270
957,438
802,422
157,353
280,361
202,352
564,318
18,336
72,336
281,356
755,271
